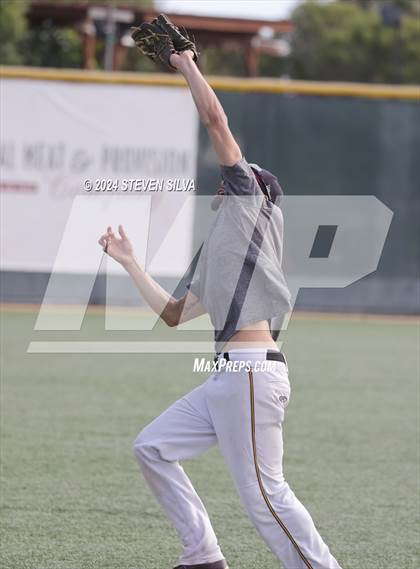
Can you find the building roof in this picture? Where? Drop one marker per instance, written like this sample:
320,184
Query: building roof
71,13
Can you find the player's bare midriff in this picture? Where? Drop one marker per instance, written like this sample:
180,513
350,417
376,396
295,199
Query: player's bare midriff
256,335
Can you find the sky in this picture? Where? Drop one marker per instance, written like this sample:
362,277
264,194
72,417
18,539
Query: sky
258,9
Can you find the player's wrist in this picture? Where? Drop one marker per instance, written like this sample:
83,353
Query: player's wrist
130,263
188,54
182,61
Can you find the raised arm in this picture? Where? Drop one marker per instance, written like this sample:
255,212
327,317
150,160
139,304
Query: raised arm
209,108
171,310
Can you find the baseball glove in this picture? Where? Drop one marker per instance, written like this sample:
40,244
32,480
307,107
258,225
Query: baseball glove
180,40
154,42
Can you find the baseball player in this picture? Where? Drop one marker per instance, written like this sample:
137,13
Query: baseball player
240,284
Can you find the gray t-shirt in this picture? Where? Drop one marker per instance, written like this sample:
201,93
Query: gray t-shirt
239,278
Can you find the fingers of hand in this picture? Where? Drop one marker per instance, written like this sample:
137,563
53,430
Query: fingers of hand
122,232
103,240
107,238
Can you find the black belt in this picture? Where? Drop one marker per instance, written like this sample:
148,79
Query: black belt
271,355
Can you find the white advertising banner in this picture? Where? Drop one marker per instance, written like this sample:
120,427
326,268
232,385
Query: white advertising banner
135,144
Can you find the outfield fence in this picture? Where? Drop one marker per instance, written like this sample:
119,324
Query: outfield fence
60,127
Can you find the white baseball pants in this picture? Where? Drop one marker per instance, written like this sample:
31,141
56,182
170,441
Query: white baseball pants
243,413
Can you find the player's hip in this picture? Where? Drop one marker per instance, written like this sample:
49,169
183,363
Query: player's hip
259,374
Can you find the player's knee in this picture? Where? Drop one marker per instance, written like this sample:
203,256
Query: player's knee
255,496
143,448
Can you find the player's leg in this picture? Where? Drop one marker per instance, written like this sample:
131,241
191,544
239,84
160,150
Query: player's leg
256,405
181,432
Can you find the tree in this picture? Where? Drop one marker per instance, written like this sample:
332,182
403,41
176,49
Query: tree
222,61
406,6
46,45
410,51
343,41
12,30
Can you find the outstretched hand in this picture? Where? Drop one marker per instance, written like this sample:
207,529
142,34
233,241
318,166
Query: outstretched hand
117,246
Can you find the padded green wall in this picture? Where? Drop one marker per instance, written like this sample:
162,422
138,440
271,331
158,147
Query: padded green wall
337,145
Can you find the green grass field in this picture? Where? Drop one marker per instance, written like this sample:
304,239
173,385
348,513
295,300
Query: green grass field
72,495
